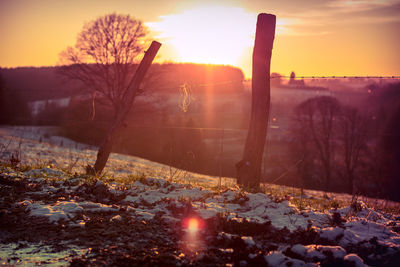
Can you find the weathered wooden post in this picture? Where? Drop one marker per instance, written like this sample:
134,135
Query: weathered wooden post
249,168
106,146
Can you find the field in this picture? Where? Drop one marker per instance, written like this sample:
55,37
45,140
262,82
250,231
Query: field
141,213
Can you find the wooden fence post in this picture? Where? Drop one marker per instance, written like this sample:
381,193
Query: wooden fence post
106,146
249,168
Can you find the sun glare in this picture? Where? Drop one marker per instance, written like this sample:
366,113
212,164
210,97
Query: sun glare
215,35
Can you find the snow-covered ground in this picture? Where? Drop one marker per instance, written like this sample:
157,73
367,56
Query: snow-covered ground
40,146
245,228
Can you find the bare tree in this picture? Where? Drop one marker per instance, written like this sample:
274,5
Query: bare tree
104,56
316,118
104,60
302,151
352,135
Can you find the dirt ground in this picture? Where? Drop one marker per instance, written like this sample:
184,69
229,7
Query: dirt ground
114,238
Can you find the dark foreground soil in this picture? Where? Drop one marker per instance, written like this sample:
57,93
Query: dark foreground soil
136,242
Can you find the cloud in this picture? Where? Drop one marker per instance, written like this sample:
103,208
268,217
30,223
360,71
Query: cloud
323,18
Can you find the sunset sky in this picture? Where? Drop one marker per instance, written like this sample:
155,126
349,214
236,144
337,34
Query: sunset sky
315,37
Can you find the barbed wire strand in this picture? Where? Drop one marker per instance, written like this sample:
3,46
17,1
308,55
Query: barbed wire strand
337,77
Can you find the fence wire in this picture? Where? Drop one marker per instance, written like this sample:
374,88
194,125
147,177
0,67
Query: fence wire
222,83
186,97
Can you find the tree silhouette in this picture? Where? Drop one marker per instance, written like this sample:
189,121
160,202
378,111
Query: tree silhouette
353,136
104,56
315,118
292,77
103,59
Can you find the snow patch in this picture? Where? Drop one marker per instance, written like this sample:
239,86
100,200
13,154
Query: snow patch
355,260
248,240
277,258
63,209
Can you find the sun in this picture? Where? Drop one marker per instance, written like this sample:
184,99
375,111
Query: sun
211,34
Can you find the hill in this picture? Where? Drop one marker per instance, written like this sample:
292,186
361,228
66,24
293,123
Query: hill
38,83
41,83
149,218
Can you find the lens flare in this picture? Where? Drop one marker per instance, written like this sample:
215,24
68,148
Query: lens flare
193,239
193,225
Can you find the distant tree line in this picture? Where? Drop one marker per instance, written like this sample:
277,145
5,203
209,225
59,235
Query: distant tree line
41,83
14,108
348,149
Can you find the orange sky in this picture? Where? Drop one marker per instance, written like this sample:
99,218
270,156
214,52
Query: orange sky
314,37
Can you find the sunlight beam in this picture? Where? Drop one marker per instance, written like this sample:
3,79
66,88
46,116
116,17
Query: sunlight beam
214,35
